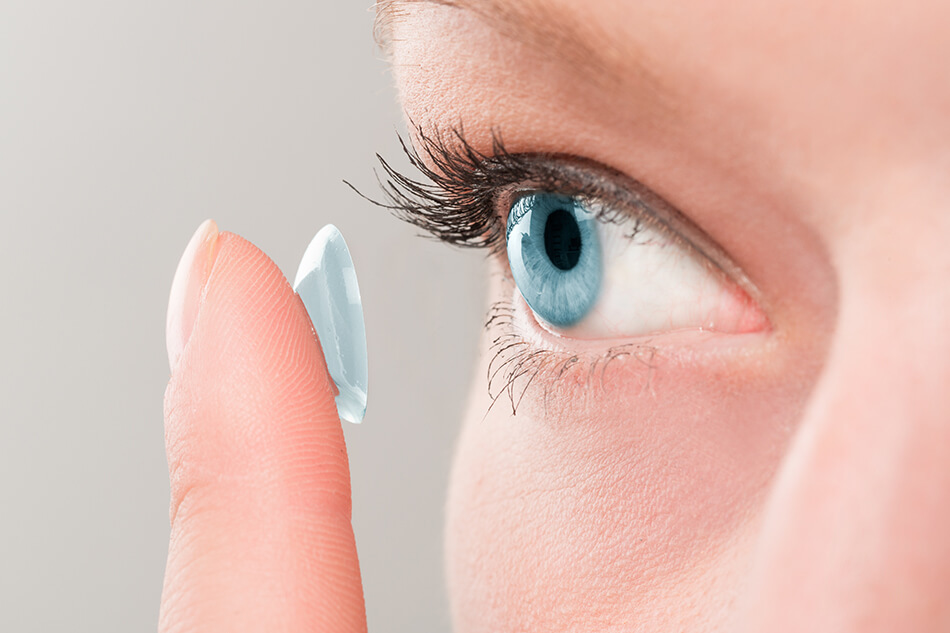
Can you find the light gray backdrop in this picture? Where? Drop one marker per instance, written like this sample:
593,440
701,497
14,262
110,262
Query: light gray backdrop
122,126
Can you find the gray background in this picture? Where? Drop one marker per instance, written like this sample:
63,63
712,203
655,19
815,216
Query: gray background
122,126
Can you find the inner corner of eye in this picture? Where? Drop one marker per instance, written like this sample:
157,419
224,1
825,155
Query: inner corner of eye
586,278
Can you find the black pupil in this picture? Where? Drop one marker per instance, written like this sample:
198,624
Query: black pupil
562,239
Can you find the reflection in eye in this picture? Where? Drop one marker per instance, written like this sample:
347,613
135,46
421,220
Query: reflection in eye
554,256
591,279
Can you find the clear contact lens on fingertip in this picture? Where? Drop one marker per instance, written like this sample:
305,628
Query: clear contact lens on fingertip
327,285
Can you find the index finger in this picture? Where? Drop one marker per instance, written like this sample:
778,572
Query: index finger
261,536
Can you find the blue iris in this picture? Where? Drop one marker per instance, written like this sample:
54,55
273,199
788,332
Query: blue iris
554,256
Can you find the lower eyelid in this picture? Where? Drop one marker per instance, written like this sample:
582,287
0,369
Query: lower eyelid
529,362
523,367
687,343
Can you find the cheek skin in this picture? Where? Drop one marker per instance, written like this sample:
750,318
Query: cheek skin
616,500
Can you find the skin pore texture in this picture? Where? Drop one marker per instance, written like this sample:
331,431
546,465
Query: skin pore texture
791,479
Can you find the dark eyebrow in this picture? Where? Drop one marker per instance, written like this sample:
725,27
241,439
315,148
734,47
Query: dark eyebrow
534,22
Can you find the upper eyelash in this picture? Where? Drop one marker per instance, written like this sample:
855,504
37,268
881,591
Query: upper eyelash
455,199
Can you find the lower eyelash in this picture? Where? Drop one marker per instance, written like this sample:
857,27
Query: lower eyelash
516,363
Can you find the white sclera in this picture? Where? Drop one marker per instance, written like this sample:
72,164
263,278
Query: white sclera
652,285
326,282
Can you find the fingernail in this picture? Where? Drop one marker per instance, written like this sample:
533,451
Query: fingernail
326,282
192,274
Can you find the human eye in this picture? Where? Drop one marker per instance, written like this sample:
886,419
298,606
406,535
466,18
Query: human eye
609,265
594,259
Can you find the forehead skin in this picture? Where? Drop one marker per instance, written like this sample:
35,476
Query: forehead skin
808,139
771,87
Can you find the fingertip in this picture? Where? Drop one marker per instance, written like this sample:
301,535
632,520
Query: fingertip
253,365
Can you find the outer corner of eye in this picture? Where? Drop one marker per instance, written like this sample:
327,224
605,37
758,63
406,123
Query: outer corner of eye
738,313
589,279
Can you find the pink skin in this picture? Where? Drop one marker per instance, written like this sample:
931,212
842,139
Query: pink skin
792,481
794,478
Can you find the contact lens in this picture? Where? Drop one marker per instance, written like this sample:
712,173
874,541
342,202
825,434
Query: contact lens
555,256
326,282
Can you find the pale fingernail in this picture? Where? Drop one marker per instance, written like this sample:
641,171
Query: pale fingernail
192,274
326,282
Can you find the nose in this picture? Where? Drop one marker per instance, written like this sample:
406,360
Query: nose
856,531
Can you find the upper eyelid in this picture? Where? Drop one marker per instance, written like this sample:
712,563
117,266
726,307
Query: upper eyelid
626,198
458,201
617,198
573,176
